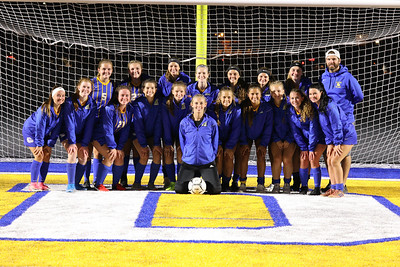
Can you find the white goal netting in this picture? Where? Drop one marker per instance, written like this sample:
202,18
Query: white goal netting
58,43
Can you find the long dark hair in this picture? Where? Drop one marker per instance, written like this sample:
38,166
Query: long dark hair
75,96
114,100
170,99
247,107
324,100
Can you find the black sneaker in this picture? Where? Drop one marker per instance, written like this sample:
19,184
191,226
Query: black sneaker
316,191
328,186
225,187
304,190
86,185
295,187
137,186
234,187
151,186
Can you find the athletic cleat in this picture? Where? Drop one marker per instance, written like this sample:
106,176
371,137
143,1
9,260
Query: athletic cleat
304,190
33,187
118,187
327,187
234,187
315,192
276,188
286,188
260,188
70,188
101,187
337,194
295,187
124,184
86,185
167,183
43,187
151,186
80,188
137,186
242,188
328,193
171,187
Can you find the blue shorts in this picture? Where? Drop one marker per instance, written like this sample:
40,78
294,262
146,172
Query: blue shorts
350,135
29,139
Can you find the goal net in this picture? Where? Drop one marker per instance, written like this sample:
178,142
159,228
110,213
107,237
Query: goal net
43,45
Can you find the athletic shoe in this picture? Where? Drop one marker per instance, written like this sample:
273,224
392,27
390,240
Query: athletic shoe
337,194
118,187
260,188
242,188
328,193
167,183
345,190
70,188
94,186
276,188
80,188
234,187
171,187
151,186
101,187
316,191
34,187
295,187
124,184
43,187
328,186
137,186
304,190
286,188
86,185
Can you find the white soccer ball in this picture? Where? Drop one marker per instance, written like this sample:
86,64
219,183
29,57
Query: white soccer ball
197,186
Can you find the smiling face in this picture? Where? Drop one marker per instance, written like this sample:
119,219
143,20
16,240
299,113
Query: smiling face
124,97
254,95
277,92
174,68
263,79
105,71
333,63
84,89
202,74
226,98
178,92
296,99
314,95
295,73
135,70
198,105
59,98
149,89
233,76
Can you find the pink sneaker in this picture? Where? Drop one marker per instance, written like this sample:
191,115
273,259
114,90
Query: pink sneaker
43,187
34,187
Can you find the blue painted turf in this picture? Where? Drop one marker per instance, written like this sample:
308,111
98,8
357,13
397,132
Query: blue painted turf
376,173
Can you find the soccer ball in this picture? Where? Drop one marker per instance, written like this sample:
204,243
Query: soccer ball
197,186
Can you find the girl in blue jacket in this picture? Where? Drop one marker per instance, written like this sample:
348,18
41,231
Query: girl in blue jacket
110,135
40,132
256,126
296,74
203,86
175,107
148,130
236,83
172,75
227,115
340,136
308,136
198,137
264,78
134,80
282,145
80,113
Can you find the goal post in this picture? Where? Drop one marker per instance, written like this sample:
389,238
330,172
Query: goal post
49,43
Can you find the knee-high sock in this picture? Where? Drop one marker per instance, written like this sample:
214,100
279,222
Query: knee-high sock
261,180
102,174
178,167
154,168
135,161
43,171
96,166
117,172
88,167
139,172
304,176
236,178
225,180
296,178
35,169
80,169
125,169
316,173
71,171
170,170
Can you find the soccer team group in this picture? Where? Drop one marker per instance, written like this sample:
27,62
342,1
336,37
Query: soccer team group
207,130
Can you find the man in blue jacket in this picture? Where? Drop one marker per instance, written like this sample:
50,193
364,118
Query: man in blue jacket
345,90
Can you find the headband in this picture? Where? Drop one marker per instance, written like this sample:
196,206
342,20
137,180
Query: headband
56,90
174,60
296,64
233,68
268,72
